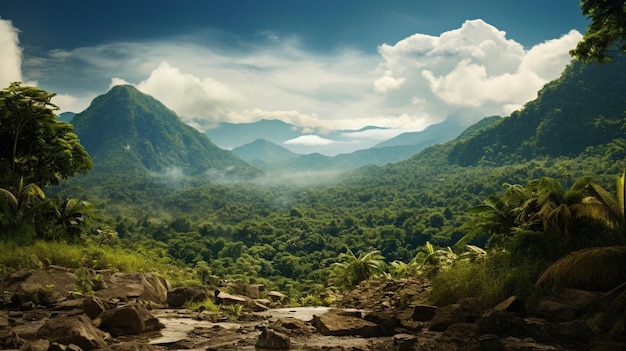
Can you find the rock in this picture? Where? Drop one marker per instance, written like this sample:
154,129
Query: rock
147,287
180,296
502,324
37,345
69,305
606,311
446,316
514,305
227,299
93,306
490,342
41,287
277,296
76,330
422,313
55,346
387,321
4,320
292,326
252,291
133,346
341,325
9,339
404,342
273,340
565,305
130,319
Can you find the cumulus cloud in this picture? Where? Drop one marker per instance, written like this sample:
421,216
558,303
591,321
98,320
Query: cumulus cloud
474,66
10,55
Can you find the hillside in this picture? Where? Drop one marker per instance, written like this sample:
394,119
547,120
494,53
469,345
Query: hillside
126,131
262,152
584,107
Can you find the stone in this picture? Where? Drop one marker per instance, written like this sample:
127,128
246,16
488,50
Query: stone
76,330
129,319
277,296
445,316
341,325
41,287
252,291
404,342
387,321
514,305
4,320
423,313
273,340
490,342
502,324
180,296
55,346
133,346
565,305
93,306
147,287
36,345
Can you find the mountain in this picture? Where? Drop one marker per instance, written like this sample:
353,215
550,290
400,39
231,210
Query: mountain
583,108
125,130
66,116
262,152
231,135
431,135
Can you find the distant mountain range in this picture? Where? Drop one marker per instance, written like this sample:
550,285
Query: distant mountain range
126,131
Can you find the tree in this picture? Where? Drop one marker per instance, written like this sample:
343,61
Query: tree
21,202
352,269
35,147
607,30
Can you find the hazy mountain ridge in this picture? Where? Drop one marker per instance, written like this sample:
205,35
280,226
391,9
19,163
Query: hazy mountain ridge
125,130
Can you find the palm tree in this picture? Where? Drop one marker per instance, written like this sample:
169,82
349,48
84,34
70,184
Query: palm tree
352,269
605,206
21,203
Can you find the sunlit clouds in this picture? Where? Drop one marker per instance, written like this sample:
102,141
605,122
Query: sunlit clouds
10,54
468,73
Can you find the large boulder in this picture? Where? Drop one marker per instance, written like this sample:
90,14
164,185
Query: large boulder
336,324
273,340
77,330
129,319
180,296
147,287
40,287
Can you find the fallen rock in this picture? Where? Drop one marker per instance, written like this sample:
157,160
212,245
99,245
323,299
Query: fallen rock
277,296
404,342
41,287
76,330
252,291
335,324
565,305
180,296
273,340
514,305
130,319
36,345
502,324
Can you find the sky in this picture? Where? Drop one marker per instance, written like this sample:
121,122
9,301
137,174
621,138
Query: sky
323,65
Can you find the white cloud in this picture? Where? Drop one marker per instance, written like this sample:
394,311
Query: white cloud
10,54
474,68
310,140
469,72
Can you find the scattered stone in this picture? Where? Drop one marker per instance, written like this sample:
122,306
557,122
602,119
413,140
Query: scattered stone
565,305
76,330
502,324
273,340
130,319
252,291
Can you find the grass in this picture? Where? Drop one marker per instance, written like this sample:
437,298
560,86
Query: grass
207,305
15,257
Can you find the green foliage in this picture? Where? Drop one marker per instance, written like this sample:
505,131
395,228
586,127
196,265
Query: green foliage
34,147
87,281
207,305
352,269
605,33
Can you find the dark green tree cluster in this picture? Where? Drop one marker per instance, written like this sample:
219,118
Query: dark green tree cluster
36,151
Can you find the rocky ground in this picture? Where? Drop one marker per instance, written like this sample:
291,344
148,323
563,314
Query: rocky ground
137,311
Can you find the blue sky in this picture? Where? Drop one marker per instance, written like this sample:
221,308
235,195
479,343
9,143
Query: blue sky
318,64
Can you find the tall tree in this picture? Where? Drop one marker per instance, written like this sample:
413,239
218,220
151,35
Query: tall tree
35,147
606,32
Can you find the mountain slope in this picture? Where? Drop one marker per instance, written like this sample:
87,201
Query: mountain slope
125,130
583,108
431,135
264,152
